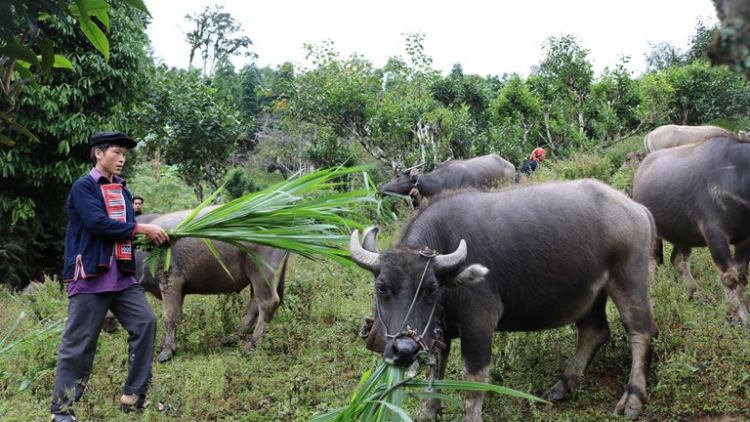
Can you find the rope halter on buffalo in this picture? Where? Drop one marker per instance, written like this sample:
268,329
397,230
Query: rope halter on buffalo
437,341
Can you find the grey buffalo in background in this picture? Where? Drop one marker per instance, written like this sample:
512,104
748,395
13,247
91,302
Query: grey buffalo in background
699,196
522,259
481,172
670,136
194,270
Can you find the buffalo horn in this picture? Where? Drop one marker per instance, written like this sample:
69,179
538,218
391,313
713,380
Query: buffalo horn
362,257
369,239
448,263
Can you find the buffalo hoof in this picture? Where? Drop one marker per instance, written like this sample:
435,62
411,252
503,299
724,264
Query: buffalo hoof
249,345
629,406
164,356
429,409
560,390
691,292
229,341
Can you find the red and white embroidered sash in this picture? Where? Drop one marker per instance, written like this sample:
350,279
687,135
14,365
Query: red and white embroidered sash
114,201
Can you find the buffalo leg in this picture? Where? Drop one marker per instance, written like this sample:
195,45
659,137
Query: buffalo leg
741,260
267,300
474,399
429,408
251,316
475,355
729,274
593,332
658,252
629,293
681,262
172,304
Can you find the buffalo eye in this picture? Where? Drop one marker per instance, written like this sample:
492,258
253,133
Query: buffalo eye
382,289
432,290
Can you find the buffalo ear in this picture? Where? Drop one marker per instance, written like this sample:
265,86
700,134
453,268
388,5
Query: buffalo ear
472,274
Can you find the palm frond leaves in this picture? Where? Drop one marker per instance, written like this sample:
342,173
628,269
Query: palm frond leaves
304,215
380,393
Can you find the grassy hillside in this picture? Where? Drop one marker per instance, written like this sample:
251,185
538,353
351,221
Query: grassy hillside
311,358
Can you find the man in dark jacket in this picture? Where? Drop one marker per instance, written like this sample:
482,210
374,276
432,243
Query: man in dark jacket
99,268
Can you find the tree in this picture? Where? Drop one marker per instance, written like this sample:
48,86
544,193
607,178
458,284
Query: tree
700,41
704,92
732,43
614,100
567,64
336,96
662,55
62,111
215,36
657,100
516,114
187,123
23,40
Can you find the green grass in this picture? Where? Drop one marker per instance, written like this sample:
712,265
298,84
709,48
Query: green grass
311,359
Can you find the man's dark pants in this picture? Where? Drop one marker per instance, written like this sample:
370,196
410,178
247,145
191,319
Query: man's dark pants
86,314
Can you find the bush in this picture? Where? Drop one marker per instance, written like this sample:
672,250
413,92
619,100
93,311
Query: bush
239,183
161,195
579,166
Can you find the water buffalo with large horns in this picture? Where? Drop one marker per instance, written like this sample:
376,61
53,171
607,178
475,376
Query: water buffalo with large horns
524,258
195,270
670,136
480,172
699,195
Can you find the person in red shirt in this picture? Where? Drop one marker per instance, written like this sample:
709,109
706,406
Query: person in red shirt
536,157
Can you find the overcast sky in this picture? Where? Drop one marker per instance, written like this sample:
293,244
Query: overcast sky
486,37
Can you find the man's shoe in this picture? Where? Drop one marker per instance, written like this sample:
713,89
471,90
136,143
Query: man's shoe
63,417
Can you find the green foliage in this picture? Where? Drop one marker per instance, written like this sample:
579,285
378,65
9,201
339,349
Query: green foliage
732,43
579,166
238,183
162,194
457,90
566,63
185,124
517,119
62,112
613,105
281,216
380,395
657,99
663,55
703,92
19,57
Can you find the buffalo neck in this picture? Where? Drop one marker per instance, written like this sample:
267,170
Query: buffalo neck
428,185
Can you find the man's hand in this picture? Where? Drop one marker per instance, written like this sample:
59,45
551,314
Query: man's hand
153,232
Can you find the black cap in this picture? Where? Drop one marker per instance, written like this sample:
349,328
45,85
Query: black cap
111,137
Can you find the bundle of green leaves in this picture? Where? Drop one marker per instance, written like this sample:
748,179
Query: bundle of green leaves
380,395
305,215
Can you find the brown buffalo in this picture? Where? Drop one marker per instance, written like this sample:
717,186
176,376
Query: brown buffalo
194,270
699,195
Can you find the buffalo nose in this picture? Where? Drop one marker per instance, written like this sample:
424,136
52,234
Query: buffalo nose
401,351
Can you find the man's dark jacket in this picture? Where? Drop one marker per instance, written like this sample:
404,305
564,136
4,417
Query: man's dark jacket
91,236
